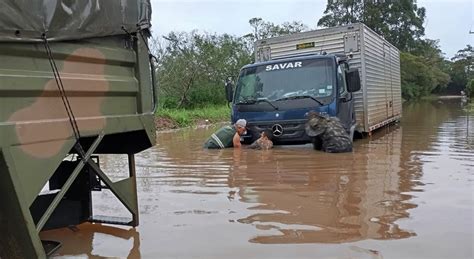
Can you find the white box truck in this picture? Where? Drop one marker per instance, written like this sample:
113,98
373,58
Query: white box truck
349,72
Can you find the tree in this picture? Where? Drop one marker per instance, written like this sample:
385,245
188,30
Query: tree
341,13
430,54
192,66
424,69
400,22
462,69
470,89
179,68
255,23
264,30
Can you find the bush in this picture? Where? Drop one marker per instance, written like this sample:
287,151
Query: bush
470,89
419,79
207,94
409,91
187,117
192,67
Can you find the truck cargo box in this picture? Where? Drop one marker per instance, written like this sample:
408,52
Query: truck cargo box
76,80
379,101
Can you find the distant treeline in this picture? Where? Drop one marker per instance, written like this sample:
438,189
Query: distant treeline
192,66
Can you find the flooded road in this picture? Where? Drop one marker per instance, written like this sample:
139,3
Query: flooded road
408,192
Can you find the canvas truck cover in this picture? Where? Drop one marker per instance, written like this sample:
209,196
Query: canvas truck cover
26,20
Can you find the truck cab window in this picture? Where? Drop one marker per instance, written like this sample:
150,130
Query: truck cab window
282,80
341,79
248,91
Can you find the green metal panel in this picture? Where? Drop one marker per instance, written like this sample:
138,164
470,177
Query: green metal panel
110,90
16,223
33,173
105,81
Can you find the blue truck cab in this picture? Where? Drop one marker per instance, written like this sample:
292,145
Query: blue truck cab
279,94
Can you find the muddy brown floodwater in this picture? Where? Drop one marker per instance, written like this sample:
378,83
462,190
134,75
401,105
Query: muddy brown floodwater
405,193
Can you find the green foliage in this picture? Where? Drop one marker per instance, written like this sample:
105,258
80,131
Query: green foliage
189,117
424,69
400,22
415,81
470,107
461,70
419,77
470,89
192,67
264,30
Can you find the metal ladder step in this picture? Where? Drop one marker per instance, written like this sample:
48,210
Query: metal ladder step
112,220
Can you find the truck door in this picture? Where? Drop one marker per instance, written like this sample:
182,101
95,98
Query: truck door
345,100
388,73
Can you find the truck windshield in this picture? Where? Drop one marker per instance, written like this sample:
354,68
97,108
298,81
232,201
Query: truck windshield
286,80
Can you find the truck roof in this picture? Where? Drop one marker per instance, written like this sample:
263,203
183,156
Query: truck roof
319,32
291,59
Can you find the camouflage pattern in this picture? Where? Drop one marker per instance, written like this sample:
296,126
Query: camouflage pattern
262,143
110,91
332,133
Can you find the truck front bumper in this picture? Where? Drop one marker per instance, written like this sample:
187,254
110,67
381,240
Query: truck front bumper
285,132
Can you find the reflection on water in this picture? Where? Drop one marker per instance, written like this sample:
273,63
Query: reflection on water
96,241
305,196
410,185
353,197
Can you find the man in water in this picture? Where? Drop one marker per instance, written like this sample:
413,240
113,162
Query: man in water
264,142
227,136
334,138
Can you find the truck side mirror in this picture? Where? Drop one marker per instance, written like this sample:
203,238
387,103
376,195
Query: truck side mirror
353,80
229,91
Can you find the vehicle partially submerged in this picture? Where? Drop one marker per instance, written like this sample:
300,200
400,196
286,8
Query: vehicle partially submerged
76,80
349,72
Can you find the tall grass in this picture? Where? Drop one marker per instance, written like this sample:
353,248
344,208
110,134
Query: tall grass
189,117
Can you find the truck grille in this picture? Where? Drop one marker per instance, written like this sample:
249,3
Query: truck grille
290,130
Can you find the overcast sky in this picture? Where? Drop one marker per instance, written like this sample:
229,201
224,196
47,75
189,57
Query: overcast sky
447,20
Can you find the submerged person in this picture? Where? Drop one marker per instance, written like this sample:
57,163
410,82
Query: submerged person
330,131
227,136
264,142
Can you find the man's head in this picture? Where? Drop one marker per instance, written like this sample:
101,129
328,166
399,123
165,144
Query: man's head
240,126
316,124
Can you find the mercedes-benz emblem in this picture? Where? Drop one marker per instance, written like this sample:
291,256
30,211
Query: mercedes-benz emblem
277,130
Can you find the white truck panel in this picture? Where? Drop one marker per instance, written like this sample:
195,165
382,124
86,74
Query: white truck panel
379,101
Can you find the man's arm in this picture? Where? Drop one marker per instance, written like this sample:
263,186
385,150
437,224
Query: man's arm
254,145
236,141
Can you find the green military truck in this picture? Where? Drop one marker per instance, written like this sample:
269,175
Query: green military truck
76,80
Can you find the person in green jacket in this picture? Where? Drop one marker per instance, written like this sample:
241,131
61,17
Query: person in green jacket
227,136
